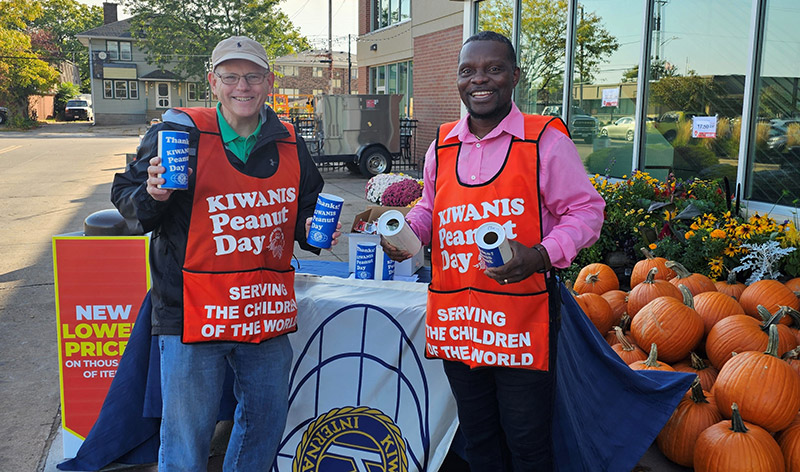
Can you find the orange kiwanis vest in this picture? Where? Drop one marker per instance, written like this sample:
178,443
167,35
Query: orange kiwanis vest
238,283
470,317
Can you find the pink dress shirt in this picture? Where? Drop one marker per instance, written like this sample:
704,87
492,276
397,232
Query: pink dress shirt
572,210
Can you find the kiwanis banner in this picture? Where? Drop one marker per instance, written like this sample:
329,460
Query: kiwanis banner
361,391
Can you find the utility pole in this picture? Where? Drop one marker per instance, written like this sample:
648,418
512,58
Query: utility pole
330,47
349,67
581,59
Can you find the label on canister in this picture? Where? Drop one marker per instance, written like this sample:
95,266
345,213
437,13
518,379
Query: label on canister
173,149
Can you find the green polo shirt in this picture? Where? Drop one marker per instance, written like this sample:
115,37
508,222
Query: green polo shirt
238,145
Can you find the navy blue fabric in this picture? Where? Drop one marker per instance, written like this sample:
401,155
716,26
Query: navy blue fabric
606,415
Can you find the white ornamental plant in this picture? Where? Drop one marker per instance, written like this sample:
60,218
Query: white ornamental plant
763,260
378,184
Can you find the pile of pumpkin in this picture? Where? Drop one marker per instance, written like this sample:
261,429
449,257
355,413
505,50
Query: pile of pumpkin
742,413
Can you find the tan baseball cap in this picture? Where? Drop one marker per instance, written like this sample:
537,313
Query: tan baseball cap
239,47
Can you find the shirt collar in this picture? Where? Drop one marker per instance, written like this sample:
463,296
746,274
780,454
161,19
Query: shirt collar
228,134
513,124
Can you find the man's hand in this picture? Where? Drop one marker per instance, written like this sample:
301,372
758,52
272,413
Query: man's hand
526,261
394,254
335,236
153,180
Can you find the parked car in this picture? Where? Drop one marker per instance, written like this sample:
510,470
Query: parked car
667,124
581,124
779,133
77,109
3,115
620,129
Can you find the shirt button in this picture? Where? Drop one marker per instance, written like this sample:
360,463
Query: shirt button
478,145
472,178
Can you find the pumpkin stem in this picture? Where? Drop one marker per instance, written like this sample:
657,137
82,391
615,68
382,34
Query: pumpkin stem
737,423
626,344
625,321
794,314
688,299
652,359
569,286
731,278
651,275
679,269
772,344
793,354
769,318
647,253
696,362
592,279
697,392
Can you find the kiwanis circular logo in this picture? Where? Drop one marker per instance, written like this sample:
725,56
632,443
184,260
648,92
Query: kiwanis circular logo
347,439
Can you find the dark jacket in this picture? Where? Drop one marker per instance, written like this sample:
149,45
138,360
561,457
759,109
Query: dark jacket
169,221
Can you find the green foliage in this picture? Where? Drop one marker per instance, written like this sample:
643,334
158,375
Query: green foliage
66,91
543,39
690,92
22,72
689,160
185,32
63,19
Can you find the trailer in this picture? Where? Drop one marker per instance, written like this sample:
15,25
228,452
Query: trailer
364,132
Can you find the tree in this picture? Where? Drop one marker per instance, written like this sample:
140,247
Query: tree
542,42
688,93
22,72
63,20
182,33
659,68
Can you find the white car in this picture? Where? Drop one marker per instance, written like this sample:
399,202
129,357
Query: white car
621,129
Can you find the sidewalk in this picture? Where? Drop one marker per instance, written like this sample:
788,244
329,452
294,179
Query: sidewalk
351,189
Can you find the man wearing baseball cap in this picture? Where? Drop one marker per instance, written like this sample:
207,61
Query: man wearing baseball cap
220,259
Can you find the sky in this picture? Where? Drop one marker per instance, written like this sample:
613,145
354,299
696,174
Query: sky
311,16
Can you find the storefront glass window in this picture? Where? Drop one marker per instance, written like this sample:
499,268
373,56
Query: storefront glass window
495,15
607,54
773,167
696,88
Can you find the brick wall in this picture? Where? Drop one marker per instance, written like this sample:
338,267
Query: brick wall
364,7
363,79
305,81
436,98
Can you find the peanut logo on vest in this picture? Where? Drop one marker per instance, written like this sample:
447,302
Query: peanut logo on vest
458,246
348,439
240,220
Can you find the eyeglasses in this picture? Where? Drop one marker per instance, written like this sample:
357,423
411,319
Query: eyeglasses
233,79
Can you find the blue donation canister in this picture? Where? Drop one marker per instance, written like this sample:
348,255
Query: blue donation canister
324,220
365,260
173,149
492,244
388,268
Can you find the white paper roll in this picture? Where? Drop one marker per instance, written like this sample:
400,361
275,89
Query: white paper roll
392,226
493,245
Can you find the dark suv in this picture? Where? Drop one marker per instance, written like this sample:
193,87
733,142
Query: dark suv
581,124
3,115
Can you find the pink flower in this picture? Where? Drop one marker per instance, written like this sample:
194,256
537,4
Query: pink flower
401,193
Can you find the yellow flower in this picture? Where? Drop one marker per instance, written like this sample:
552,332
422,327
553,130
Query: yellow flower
744,231
718,234
652,246
730,251
688,234
695,226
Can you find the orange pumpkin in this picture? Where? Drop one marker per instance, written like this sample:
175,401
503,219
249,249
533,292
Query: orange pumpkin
736,446
626,350
597,309
730,286
789,441
695,282
794,285
714,306
739,333
695,412
596,278
642,268
793,359
618,301
651,363
670,323
766,388
706,372
650,289
770,293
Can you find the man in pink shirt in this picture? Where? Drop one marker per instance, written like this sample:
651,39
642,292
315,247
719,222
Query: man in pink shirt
524,172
